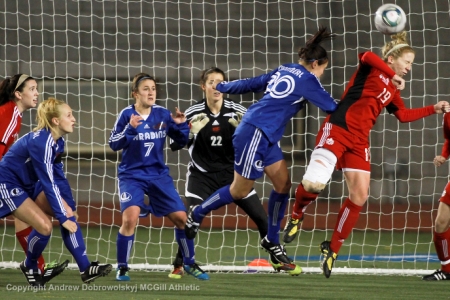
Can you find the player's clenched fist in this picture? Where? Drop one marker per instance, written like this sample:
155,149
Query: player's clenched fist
398,82
442,107
136,120
439,160
197,123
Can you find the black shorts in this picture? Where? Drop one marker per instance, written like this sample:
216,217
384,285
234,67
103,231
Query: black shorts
200,185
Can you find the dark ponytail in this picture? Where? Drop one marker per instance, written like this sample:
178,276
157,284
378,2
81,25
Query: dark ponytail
313,50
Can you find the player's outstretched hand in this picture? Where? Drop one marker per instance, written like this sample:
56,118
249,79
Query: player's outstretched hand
442,107
398,82
439,160
179,117
235,122
136,120
197,123
70,225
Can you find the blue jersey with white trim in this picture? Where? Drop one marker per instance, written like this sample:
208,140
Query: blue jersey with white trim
285,89
32,158
143,146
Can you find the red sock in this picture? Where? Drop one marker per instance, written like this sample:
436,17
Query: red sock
441,242
302,200
22,237
347,217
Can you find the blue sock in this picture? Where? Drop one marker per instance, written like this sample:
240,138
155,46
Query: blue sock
74,242
36,245
123,245
277,206
186,245
218,199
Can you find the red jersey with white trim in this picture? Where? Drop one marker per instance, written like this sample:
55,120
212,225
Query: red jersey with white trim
369,91
10,121
446,128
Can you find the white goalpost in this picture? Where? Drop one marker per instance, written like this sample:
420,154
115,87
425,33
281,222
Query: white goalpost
87,52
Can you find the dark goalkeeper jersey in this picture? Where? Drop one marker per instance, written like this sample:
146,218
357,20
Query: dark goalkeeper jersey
212,149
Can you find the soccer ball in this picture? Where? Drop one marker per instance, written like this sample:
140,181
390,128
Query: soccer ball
390,19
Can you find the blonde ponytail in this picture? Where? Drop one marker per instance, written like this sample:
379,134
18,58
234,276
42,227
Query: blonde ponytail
47,110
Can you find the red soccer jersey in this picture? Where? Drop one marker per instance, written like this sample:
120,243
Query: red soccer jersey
446,128
10,121
370,90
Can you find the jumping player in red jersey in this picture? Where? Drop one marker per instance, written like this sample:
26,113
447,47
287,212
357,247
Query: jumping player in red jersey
343,142
441,233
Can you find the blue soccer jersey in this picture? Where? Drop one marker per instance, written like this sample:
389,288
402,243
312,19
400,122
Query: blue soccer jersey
60,180
285,89
29,160
143,147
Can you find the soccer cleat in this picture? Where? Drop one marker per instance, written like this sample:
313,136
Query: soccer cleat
291,229
292,269
195,271
277,252
122,274
94,271
177,272
438,275
50,264
51,270
329,258
33,278
191,227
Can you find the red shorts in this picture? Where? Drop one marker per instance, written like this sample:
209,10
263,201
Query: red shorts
352,152
445,198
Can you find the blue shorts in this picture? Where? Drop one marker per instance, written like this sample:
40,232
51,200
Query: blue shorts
11,197
253,151
64,190
163,197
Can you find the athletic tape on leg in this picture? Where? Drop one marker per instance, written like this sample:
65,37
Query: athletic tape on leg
320,172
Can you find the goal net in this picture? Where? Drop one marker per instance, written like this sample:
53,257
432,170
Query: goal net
87,52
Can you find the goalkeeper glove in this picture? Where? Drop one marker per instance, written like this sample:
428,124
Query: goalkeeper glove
197,123
235,122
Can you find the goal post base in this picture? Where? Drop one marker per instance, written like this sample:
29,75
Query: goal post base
255,269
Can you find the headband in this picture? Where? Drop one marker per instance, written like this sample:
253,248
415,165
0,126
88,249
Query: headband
396,47
142,78
21,80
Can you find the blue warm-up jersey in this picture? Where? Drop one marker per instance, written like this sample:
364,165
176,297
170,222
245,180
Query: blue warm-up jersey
285,89
32,159
143,155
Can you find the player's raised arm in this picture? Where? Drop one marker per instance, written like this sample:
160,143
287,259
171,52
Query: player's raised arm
241,86
124,130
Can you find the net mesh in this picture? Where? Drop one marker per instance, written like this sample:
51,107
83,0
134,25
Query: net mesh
87,52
